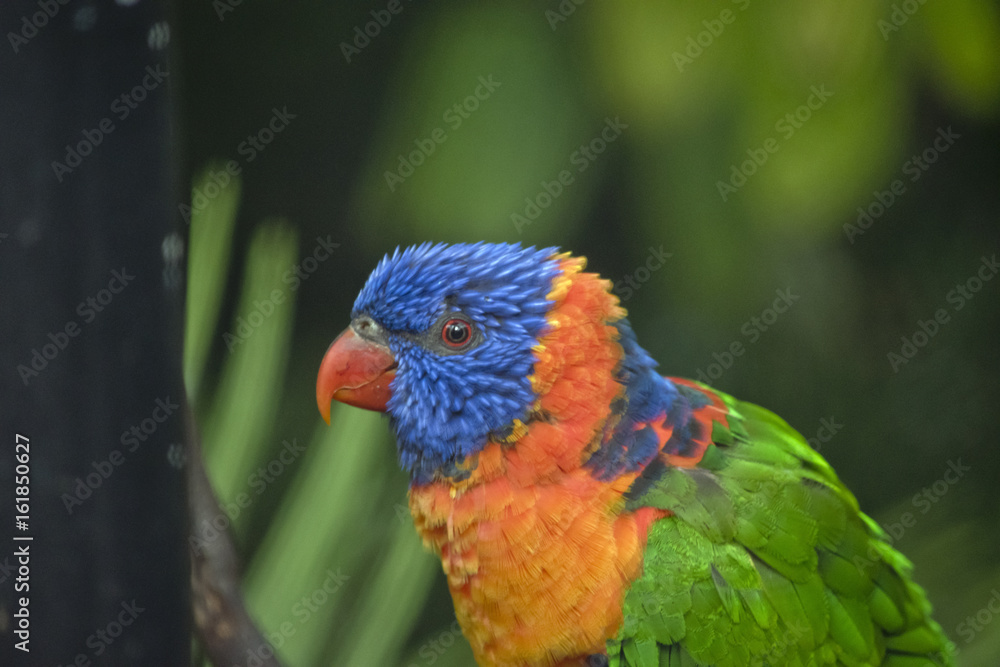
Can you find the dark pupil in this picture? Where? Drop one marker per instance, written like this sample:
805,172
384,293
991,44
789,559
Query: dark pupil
456,332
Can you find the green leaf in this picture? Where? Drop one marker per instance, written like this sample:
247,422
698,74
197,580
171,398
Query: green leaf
236,431
210,240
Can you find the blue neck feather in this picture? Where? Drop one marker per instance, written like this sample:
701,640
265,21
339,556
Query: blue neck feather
630,443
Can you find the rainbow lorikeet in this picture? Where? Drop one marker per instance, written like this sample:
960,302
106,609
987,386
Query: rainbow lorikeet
589,511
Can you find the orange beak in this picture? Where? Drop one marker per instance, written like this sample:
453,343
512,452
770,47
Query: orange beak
355,371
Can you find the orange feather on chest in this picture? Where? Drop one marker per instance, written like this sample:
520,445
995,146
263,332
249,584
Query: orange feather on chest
538,553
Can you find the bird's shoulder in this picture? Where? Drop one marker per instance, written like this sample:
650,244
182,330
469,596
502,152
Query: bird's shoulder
764,558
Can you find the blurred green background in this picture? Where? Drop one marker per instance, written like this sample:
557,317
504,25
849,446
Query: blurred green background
842,153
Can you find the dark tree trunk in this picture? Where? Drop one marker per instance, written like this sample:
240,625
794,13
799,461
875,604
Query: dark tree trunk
91,294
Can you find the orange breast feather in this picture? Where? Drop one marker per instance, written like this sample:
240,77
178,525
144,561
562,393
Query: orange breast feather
538,553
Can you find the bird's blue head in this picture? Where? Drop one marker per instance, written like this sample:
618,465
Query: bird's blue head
441,339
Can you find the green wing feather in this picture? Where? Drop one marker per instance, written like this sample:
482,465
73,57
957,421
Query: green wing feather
767,561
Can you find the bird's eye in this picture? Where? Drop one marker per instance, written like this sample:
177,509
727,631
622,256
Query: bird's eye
456,333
